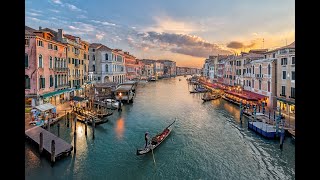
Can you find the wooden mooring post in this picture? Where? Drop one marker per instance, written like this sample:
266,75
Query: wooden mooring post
75,124
58,129
41,143
68,119
93,127
241,112
53,149
86,126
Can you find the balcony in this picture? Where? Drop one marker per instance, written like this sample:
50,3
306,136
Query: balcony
59,69
259,76
61,86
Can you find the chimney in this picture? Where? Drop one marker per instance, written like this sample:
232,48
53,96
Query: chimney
40,28
60,35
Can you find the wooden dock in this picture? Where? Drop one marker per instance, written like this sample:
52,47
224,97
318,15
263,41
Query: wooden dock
62,148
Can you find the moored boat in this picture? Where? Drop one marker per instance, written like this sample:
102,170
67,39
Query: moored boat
156,140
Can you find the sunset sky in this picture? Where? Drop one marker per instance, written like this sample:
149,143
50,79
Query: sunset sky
186,31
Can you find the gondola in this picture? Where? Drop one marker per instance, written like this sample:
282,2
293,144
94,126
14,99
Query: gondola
156,140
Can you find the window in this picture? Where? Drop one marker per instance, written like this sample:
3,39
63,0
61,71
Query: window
274,55
98,78
268,86
85,68
283,90
82,62
49,46
259,84
93,68
26,60
293,75
26,42
260,68
69,60
106,56
293,92
41,82
284,73
249,83
252,69
107,68
72,49
252,83
239,71
93,50
119,58
293,60
269,69
72,60
27,82
244,71
284,61
50,63
64,49
84,56
40,43
51,81
40,61
68,48
94,57
55,47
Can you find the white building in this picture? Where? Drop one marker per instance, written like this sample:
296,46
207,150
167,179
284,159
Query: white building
106,64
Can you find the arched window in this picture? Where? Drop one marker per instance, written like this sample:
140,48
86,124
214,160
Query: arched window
26,60
41,82
50,62
252,70
51,81
269,69
259,84
106,56
93,68
268,86
260,70
27,82
252,83
40,65
55,62
107,68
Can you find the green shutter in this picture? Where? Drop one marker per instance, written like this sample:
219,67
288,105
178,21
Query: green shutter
44,83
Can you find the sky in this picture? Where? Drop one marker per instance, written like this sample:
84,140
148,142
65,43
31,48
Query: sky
185,31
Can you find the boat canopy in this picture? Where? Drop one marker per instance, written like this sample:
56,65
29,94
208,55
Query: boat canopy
45,107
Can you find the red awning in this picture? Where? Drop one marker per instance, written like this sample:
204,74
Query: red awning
255,95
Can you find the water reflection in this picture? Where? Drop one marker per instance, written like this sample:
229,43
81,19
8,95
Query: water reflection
233,110
119,128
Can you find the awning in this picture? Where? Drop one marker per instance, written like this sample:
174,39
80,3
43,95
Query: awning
45,107
55,93
285,100
254,95
77,98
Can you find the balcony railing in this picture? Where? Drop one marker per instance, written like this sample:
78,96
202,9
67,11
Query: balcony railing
259,75
58,69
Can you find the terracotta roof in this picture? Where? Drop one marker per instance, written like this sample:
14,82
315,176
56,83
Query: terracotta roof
104,48
52,32
29,31
70,36
95,45
292,45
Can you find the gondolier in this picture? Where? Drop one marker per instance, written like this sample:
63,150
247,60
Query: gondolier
146,138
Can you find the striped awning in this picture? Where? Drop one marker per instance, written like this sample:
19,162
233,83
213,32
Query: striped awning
55,93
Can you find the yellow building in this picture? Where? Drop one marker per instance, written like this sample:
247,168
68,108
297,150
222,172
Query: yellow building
77,58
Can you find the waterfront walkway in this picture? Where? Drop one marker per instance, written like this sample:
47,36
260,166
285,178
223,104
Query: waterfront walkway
61,110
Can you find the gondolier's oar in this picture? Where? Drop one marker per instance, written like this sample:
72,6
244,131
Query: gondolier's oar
153,158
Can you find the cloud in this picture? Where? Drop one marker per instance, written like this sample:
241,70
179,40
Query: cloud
56,1
54,10
73,28
167,24
100,36
183,44
33,14
74,8
239,45
81,16
103,23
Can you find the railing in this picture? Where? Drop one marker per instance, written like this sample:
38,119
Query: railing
61,69
259,75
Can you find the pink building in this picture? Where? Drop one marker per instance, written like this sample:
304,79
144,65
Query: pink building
42,56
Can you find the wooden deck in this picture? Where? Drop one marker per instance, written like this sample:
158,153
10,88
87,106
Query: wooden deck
61,146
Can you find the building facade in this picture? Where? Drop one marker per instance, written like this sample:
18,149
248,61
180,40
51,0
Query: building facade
286,79
45,68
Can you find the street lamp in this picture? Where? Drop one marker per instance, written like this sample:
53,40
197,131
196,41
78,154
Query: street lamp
120,96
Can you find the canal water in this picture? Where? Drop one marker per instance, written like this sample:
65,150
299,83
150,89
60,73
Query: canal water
207,142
